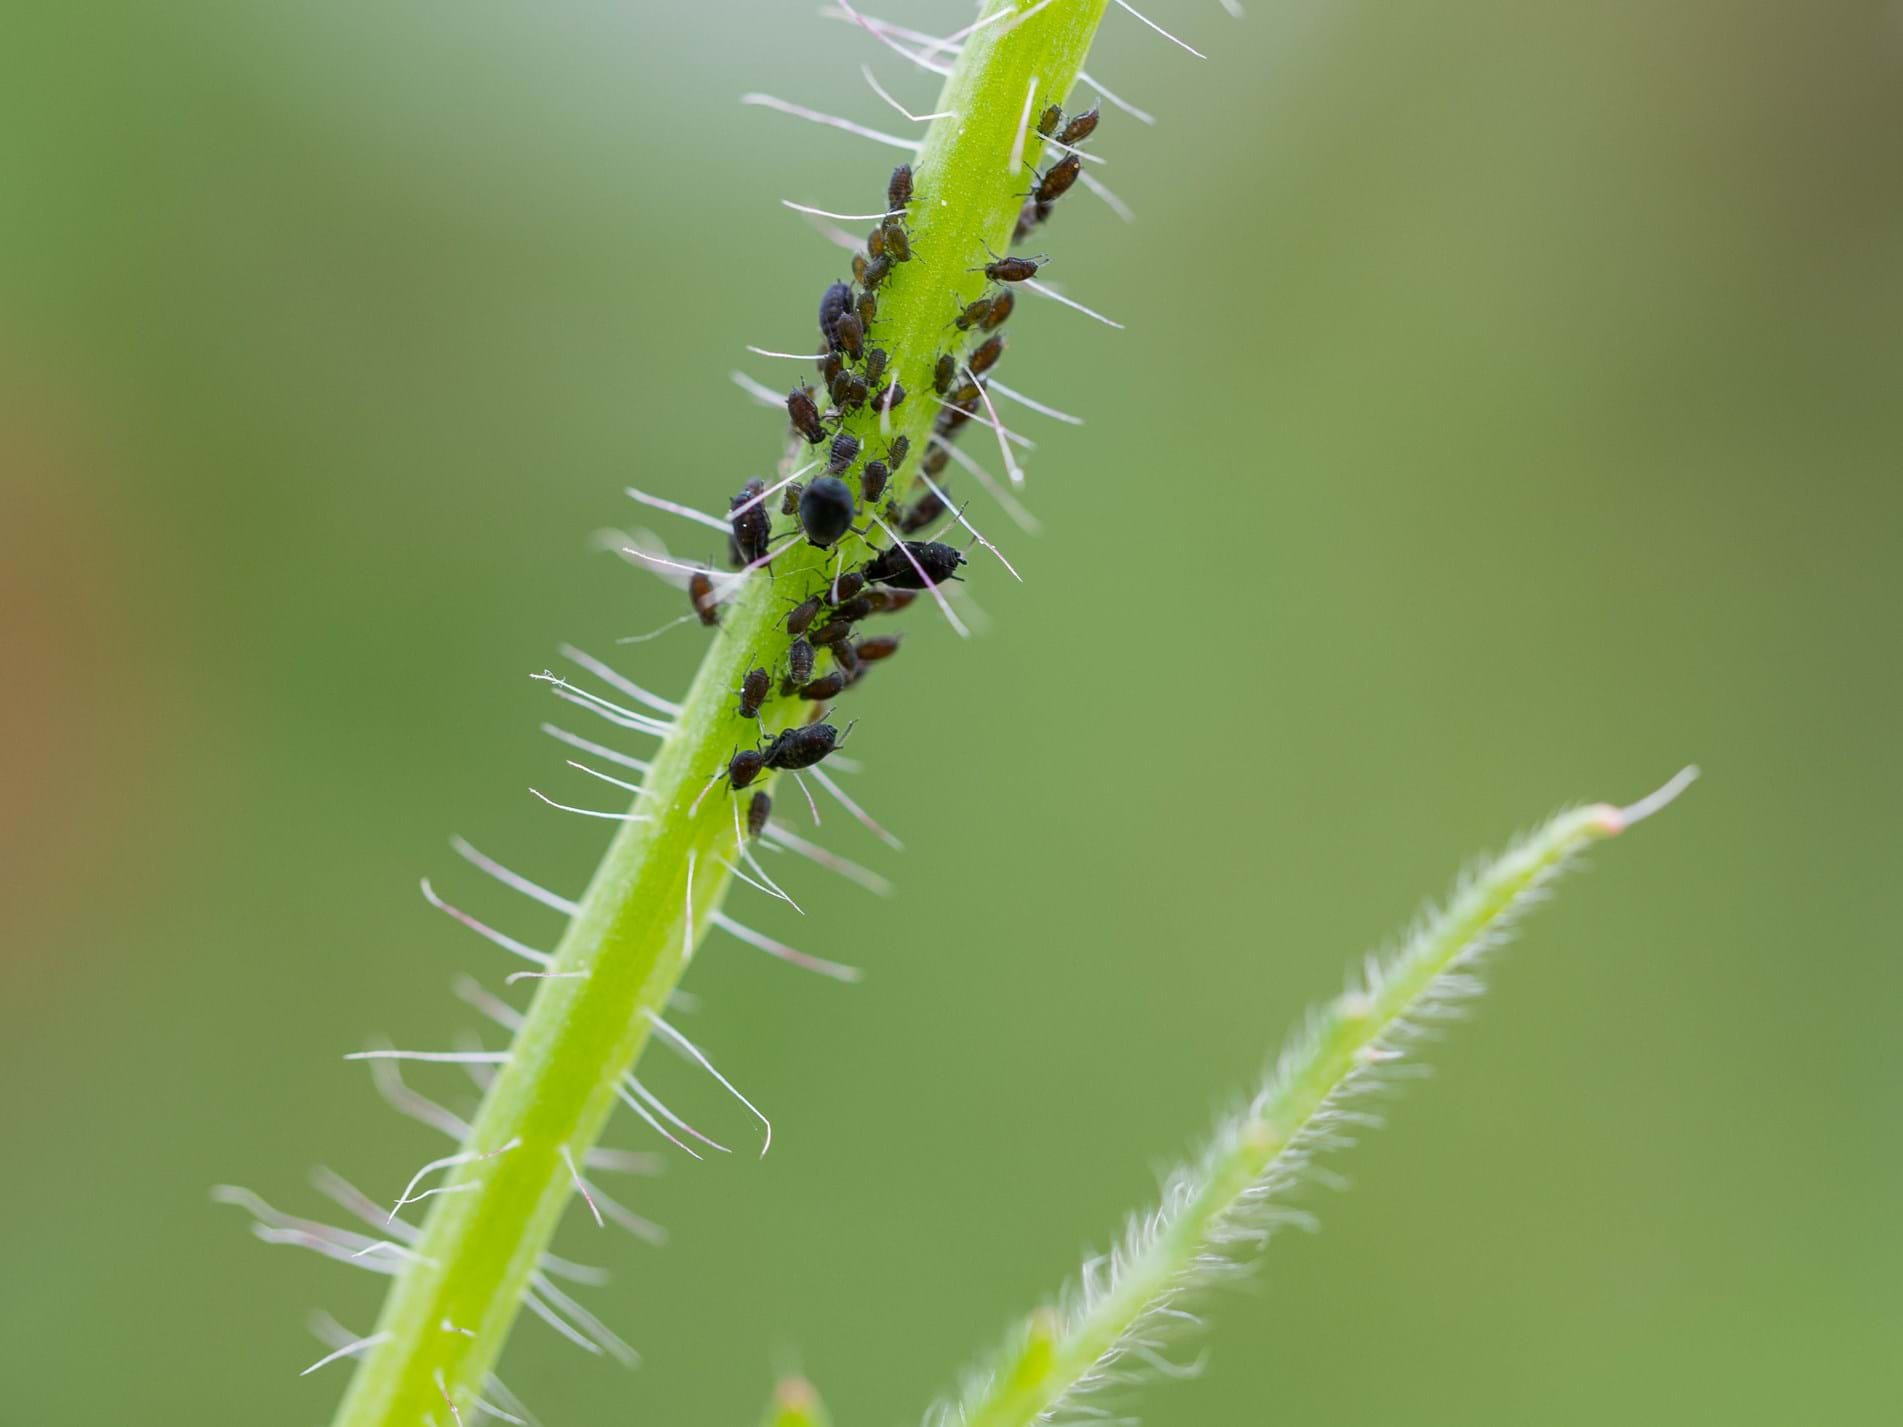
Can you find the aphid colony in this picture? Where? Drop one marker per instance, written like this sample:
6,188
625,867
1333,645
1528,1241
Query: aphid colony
854,377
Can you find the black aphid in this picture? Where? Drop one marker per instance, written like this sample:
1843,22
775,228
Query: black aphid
700,589
875,242
827,510
872,480
745,766
801,619
834,303
826,686
898,192
846,661
1029,216
799,664
850,611
943,372
875,365
887,398
802,747
752,527
913,564
841,454
759,809
804,411
753,691
895,453
858,267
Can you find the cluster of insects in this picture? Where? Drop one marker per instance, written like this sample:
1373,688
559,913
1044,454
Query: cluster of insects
862,488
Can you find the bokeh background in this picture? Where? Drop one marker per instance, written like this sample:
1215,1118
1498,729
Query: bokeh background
1508,414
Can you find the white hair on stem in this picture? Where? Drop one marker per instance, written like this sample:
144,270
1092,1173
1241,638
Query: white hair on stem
581,658
860,815
348,1350
1016,161
831,121
1011,467
1128,8
615,756
483,929
687,1047
581,1186
629,718
515,881
838,971
1007,502
621,783
884,34
390,1086
1022,400
1045,290
958,514
449,1161
626,1095
882,214
782,836
931,585
1115,204
661,1109
673,507
590,1324
879,89
746,853
606,814
1125,105
759,391
435,1057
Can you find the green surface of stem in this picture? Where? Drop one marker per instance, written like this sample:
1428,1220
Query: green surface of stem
453,1304
1056,1353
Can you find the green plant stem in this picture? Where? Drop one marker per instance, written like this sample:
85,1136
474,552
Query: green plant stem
451,1307
1204,1220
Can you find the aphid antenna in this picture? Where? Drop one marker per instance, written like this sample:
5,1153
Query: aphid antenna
831,121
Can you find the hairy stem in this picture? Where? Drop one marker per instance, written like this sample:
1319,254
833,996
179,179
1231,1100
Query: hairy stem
453,1304
1218,1209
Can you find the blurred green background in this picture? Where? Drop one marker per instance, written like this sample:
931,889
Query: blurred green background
1508,414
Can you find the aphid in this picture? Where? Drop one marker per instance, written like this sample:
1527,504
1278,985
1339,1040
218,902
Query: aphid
1058,178
859,267
935,460
898,245
745,766
875,365
759,809
826,510
700,589
876,271
1048,121
930,562
849,611
895,453
1079,129
974,314
832,633
831,364
790,499
898,191
890,601
802,747
843,452
1011,269
872,480
849,334
867,306
986,357
752,527
880,646
888,398
804,411
799,665
943,373
1001,306
834,303
927,508
875,242
846,587
803,615
846,661
753,691
1029,216
826,686
848,390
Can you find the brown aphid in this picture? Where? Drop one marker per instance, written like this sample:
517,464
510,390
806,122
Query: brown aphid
848,390
850,609
804,412
1079,129
803,614
973,314
888,398
754,689
1029,216
943,373
890,601
790,500
752,527
846,661
898,189
1057,179
880,646
849,335
1001,307
700,589
872,480
875,365
831,364
1011,269
898,244
986,357
799,665
846,587
895,453
825,687
836,631
876,271
927,508
843,452
875,242
1048,121
759,809
935,460
858,267
867,306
